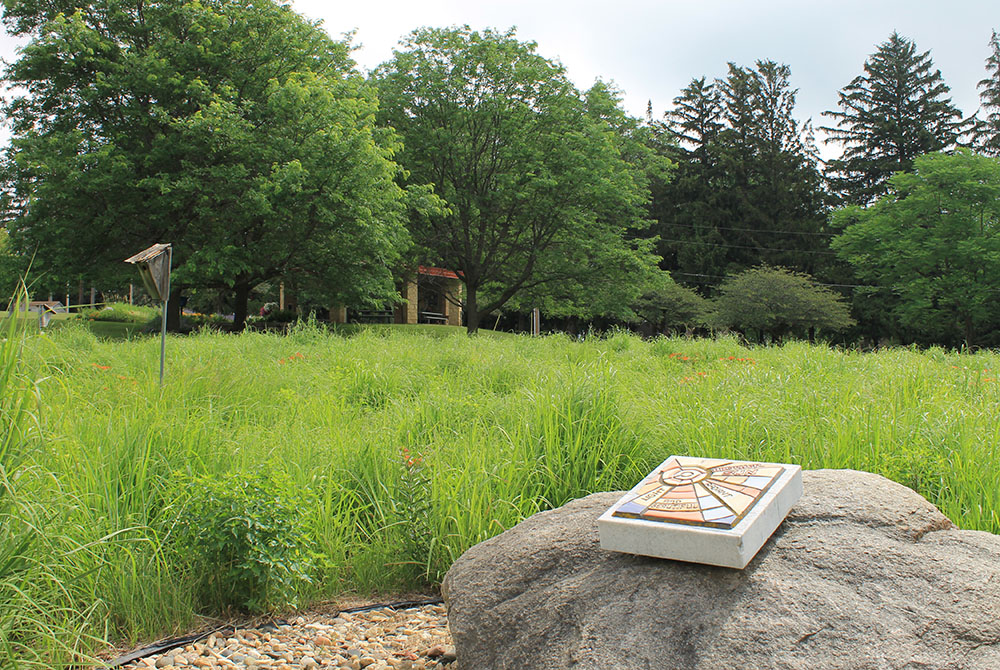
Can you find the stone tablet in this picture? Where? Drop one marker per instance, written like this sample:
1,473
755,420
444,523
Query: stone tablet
702,510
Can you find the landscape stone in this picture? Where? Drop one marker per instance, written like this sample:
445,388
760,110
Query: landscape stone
863,574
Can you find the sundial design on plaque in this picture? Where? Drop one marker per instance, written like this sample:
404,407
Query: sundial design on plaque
700,491
702,510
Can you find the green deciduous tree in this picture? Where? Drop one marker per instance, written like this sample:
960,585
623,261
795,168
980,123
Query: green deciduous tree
934,239
542,185
777,302
987,129
236,130
11,269
897,110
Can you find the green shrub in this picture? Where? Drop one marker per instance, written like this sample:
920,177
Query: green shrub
246,541
197,321
120,312
777,302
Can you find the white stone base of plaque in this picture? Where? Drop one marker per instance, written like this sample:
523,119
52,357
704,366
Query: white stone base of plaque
706,539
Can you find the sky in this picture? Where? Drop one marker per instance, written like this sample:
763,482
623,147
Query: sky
651,49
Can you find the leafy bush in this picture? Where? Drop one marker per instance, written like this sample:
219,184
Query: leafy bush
120,312
777,302
192,321
667,304
197,320
246,541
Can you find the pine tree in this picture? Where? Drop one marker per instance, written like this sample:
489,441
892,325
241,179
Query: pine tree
688,208
697,116
747,188
987,132
897,110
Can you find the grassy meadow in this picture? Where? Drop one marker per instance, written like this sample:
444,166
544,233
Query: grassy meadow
403,449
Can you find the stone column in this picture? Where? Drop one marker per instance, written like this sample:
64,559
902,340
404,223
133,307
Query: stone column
338,314
453,311
411,301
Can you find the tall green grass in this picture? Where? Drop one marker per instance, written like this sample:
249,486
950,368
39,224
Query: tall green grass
41,624
415,447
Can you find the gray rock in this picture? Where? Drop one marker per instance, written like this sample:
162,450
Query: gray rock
863,574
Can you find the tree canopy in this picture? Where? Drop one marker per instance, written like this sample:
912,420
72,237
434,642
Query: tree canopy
236,130
542,186
934,239
897,110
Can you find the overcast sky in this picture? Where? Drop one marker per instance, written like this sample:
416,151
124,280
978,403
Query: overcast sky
653,49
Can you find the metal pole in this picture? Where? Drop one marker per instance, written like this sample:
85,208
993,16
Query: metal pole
163,324
163,340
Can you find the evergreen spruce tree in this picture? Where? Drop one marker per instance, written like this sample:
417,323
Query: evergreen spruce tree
747,189
897,110
688,207
987,131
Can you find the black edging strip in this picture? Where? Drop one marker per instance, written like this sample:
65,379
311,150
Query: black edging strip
167,645
404,605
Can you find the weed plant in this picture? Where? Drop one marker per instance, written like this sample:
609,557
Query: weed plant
244,539
409,449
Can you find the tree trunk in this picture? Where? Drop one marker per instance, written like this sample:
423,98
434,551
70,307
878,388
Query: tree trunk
240,309
969,331
472,314
174,310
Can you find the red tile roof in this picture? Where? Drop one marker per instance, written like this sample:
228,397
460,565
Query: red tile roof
436,272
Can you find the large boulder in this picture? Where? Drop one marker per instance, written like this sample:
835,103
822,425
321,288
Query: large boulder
864,573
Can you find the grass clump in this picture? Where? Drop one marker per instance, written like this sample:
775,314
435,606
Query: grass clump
41,623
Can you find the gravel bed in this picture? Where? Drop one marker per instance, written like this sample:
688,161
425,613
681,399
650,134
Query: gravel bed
380,639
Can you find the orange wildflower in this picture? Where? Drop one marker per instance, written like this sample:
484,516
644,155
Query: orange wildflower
101,367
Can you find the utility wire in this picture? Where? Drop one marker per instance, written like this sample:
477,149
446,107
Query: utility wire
751,230
743,246
895,289
696,274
